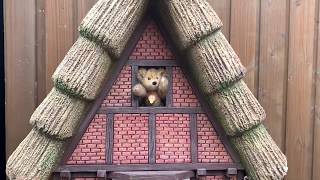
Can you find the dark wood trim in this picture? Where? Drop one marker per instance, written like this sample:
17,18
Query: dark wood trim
150,167
65,175
241,175
194,138
152,138
155,175
144,110
134,81
147,63
109,138
204,104
169,96
107,85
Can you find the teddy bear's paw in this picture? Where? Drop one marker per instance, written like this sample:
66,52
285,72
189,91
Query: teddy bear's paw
139,90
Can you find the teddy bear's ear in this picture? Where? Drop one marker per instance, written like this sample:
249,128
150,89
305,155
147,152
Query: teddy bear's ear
141,73
162,72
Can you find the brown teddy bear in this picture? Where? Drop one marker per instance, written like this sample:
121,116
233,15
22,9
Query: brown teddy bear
152,87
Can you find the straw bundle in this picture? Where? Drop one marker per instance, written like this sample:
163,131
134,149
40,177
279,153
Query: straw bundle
36,156
237,109
58,115
188,21
215,63
83,70
260,155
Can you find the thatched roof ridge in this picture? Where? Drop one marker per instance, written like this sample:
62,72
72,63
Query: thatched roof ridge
111,23
189,21
105,31
218,75
103,35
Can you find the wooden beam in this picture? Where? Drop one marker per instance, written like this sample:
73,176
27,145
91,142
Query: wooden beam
169,97
65,175
134,81
151,175
194,138
152,138
143,110
109,138
149,167
151,63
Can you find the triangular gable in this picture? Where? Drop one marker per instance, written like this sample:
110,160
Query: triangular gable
132,129
107,36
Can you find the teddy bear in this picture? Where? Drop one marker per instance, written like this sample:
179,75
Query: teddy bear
152,87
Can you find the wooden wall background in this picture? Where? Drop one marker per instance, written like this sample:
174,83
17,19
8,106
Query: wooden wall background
278,41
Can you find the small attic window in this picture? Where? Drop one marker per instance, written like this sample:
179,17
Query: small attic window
152,86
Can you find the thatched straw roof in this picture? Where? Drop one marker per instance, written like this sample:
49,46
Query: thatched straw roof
104,33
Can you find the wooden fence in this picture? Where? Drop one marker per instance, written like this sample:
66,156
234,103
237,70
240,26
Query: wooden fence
278,41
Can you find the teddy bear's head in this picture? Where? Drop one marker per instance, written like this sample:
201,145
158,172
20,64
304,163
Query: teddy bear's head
150,78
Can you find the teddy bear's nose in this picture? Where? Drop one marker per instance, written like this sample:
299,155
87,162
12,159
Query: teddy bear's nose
154,83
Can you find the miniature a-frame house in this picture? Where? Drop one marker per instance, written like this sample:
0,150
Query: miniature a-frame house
91,126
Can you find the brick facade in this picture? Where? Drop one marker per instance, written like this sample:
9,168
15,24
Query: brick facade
151,46
91,148
173,138
130,139
183,95
120,93
210,148
131,133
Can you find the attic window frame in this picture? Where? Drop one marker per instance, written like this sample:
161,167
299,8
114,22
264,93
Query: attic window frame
167,64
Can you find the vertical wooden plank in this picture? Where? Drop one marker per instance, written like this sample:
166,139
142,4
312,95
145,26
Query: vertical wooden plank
109,138
300,94
273,66
194,138
60,33
223,9
244,37
83,8
169,98
152,138
40,50
19,69
316,137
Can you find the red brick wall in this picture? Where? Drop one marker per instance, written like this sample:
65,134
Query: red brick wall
151,46
130,139
210,148
183,95
91,148
173,138
120,93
